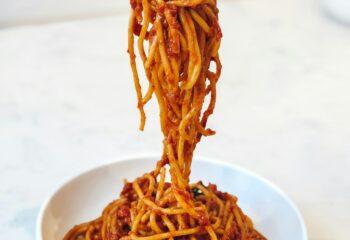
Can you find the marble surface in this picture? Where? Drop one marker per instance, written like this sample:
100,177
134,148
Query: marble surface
67,103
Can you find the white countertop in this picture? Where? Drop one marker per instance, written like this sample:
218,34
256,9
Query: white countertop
67,103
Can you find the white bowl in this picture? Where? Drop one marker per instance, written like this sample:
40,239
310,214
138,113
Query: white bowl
83,198
339,9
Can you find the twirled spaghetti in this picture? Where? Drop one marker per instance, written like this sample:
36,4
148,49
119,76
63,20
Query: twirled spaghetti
182,66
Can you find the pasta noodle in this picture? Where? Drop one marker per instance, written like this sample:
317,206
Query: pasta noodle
178,43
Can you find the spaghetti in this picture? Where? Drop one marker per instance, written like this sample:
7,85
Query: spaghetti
182,66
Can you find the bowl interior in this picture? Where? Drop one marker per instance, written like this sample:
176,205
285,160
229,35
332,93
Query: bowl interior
84,197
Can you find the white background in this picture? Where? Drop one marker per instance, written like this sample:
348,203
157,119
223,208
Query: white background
14,12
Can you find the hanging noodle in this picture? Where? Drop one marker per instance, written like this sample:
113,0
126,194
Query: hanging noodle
183,39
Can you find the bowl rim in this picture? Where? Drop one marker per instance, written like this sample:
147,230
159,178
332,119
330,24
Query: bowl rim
138,157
